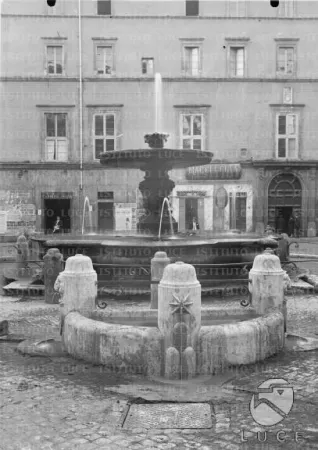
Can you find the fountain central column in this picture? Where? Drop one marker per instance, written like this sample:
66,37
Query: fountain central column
154,188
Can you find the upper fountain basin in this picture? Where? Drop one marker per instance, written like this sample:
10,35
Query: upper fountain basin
154,157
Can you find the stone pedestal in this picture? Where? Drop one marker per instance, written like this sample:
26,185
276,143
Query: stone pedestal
179,318
311,231
158,263
267,282
53,265
23,256
77,286
260,228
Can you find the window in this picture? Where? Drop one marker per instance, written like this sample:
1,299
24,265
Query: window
192,131
288,95
104,133
191,60
105,60
192,7
104,7
56,143
286,8
286,60
287,136
147,66
236,8
54,59
237,61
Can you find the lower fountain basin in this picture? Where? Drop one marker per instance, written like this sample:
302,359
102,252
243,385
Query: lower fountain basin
130,341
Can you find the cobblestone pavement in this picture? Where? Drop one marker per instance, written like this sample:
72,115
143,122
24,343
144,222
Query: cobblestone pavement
61,403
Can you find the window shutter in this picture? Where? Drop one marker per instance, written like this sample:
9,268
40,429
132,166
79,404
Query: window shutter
240,61
291,124
110,125
195,61
58,59
232,61
290,60
61,150
99,60
282,125
108,51
50,149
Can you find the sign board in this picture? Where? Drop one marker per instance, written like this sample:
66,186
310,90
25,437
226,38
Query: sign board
105,195
191,193
214,172
57,195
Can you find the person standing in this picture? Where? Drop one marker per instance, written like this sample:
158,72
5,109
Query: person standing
297,226
291,225
281,224
195,224
58,225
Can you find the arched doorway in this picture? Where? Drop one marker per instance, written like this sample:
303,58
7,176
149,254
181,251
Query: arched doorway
284,198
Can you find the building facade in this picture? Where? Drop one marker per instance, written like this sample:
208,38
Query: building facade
239,79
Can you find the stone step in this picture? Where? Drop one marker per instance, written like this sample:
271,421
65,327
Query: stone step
313,280
301,286
21,287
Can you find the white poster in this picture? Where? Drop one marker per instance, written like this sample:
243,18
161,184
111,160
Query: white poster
3,222
125,216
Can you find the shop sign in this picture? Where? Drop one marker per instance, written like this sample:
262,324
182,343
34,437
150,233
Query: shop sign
214,172
57,195
191,193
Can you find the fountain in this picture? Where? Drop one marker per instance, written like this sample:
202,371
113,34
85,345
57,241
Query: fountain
166,202
182,338
155,227
90,222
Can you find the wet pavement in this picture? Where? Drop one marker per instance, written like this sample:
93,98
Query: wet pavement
61,403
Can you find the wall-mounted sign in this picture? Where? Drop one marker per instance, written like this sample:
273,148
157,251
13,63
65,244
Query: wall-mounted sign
214,172
57,195
105,195
191,193
221,198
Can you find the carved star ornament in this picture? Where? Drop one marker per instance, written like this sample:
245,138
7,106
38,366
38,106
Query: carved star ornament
180,304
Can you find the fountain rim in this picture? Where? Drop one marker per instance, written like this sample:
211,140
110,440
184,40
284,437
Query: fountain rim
131,241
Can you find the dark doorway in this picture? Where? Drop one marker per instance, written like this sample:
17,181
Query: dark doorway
191,212
54,208
105,216
284,197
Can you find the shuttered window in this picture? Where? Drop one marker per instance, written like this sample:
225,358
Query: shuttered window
56,142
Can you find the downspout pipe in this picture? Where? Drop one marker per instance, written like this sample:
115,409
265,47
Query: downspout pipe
80,93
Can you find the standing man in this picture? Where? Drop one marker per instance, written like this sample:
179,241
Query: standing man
291,225
195,224
297,225
281,224
58,225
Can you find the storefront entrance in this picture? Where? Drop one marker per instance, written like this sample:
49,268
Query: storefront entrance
191,212
284,199
54,209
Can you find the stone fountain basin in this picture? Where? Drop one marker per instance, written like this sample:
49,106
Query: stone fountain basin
130,341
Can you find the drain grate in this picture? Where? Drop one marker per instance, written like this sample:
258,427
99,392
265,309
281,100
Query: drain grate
169,415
